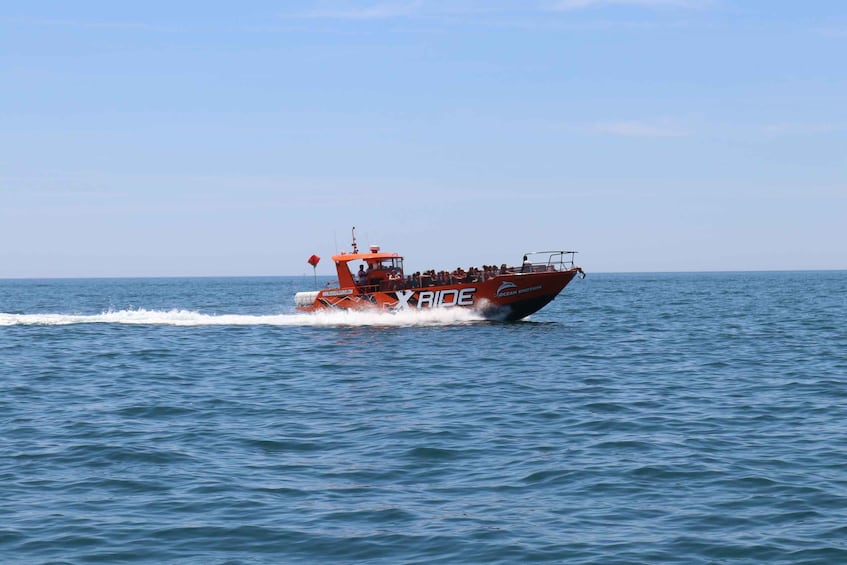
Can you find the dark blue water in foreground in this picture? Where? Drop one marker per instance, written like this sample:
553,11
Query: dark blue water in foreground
687,418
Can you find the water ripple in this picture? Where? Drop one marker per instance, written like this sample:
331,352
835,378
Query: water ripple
636,419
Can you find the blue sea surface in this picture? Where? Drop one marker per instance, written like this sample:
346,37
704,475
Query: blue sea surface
638,418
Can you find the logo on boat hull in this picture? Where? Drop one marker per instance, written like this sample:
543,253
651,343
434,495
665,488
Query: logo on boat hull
507,289
342,292
511,289
434,298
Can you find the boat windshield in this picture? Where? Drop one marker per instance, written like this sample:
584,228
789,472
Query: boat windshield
393,264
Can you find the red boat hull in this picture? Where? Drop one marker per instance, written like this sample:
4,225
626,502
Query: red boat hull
506,297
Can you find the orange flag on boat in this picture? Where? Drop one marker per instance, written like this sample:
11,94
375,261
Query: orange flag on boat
313,260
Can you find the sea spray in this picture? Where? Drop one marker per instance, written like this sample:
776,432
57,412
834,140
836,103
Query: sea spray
179,317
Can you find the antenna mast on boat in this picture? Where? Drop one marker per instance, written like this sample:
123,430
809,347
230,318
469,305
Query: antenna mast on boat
355,247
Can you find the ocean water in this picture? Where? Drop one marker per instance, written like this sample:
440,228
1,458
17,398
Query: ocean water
639,418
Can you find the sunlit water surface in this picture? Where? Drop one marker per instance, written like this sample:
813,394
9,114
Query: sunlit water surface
689,418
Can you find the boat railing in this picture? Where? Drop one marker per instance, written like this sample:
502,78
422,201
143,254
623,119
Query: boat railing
539,261
383,285
368,288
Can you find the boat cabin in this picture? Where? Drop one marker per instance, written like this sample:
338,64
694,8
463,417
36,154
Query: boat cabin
376,269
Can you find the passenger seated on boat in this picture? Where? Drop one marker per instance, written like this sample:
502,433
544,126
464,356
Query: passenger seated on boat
395,280
375,274
526,267
504,269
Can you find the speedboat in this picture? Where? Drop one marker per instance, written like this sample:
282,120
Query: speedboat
501,292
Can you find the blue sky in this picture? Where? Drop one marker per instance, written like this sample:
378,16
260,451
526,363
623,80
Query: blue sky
219,138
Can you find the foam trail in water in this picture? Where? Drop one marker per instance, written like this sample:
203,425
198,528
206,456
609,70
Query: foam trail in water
434,317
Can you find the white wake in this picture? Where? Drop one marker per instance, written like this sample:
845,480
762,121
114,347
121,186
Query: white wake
433,317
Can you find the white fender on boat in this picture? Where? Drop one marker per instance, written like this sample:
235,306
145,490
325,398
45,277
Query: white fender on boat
303,299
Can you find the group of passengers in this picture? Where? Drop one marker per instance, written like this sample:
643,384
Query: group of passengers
392,279
457,276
